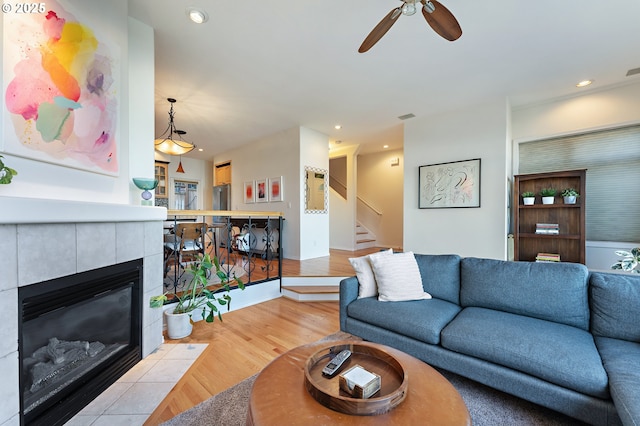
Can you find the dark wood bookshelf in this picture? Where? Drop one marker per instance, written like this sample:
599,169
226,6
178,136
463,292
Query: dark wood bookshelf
570,242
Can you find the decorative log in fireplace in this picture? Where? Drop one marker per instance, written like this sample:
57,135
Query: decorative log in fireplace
78,335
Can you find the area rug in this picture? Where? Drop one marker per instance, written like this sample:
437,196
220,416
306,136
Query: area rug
487,406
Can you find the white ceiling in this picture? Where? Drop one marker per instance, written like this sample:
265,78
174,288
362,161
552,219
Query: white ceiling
260,67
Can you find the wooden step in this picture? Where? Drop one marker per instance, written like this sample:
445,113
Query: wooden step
367,240
312,293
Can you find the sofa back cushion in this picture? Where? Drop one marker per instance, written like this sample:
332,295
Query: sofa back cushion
440,275
615,305
550,291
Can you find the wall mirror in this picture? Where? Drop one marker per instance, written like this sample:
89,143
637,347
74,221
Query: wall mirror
315,190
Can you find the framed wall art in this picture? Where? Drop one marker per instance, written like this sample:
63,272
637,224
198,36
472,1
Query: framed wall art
275,189
262,193
62,89
249,192
449,185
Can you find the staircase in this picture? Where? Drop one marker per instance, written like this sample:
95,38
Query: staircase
364,238
312,289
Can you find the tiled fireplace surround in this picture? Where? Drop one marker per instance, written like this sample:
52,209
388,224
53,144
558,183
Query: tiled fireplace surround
45,239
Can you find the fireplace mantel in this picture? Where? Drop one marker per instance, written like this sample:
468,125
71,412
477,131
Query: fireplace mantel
16,210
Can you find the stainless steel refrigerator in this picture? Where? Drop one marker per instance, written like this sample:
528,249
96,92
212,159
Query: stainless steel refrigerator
221,199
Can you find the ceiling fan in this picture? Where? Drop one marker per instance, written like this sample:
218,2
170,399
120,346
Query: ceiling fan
438,17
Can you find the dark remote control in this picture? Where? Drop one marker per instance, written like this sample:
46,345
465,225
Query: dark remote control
335,364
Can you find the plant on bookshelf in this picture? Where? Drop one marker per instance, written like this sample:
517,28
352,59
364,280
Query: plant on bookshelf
570,195
528,198
548,195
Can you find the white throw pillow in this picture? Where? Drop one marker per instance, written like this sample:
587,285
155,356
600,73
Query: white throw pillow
367,286
398,278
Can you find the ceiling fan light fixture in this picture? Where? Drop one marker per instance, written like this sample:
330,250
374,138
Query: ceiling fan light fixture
166,142
409,7
428,6
197,15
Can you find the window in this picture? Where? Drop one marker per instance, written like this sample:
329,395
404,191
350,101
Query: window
612,160
185,195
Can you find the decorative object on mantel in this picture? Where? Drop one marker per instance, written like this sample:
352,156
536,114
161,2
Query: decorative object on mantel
548,195
146,184
528,198
630,262
569,195
166,143
6,173
197,298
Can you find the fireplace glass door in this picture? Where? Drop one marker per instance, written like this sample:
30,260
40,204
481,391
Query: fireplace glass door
75,334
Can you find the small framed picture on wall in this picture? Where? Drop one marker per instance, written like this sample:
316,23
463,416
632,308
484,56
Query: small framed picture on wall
262,194
249,192
275,189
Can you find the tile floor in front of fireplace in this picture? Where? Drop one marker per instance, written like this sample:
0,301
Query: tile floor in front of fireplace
131,400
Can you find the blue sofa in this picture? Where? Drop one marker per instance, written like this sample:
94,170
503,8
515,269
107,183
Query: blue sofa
554,334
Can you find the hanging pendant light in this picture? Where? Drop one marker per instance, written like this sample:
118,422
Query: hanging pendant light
180,169
166,142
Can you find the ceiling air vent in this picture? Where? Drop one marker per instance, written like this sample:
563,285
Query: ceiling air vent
633,72
406,116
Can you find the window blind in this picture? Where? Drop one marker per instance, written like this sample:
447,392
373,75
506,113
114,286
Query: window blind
612,160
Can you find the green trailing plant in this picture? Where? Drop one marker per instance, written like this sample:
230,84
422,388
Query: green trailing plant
548,192
570,192
6,173
630,261
528,194
196,296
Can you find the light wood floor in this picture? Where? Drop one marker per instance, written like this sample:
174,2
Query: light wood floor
250,338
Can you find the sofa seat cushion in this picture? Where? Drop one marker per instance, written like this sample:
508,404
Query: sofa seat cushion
621,360
550,291
420,319
608,293
558,353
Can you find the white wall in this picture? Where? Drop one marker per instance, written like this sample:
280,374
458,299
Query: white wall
342,215
38,179
314,227
272,156
477,132
381,185
141,108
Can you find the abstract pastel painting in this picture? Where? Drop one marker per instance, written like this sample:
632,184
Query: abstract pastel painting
60,91
445,185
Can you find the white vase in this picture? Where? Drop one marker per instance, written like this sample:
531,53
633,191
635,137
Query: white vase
547,200
178,325
528,201
571,199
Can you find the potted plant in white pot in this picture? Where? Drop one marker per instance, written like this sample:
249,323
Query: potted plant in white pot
528,198
569,195
197,298
548,195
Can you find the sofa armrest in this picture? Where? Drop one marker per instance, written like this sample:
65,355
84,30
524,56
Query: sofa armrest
348,293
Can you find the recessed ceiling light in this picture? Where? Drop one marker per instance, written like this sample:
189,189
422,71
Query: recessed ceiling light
200,149
584,83
385,146
197,15
337,127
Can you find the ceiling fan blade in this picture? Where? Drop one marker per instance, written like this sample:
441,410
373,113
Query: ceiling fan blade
441,20
380,29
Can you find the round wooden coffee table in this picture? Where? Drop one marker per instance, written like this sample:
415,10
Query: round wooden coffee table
279,396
